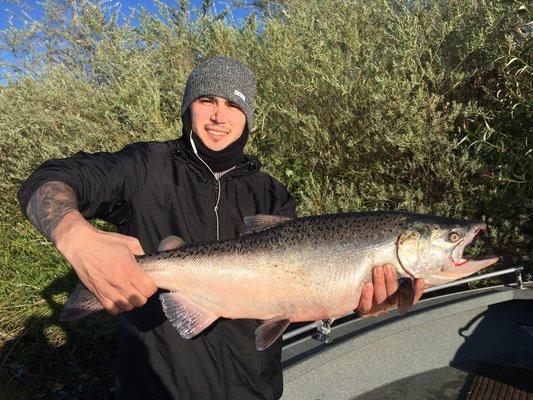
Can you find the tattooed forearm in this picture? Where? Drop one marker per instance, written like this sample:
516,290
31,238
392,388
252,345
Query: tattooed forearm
49,204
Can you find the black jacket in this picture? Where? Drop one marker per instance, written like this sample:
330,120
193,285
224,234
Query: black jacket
152,190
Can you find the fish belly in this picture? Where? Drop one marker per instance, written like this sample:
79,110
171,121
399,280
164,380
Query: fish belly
309,284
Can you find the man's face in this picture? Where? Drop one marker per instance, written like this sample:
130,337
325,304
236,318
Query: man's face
217,122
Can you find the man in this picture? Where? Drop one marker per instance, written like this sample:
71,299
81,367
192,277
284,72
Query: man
198,187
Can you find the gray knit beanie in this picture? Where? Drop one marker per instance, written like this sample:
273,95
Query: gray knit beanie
223,77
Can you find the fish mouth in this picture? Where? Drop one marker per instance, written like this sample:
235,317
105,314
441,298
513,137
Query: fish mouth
458,257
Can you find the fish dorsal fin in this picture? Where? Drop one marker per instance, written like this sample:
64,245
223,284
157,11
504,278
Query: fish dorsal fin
80,304
171,243
269,331
186,317
406,295
260,222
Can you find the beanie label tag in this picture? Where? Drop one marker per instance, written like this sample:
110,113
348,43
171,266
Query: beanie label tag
237,93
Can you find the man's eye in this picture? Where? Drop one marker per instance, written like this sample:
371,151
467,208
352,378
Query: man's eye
205,100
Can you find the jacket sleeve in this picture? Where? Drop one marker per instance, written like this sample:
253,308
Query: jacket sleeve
104,183
285,204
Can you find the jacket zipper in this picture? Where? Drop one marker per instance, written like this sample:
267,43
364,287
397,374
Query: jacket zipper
217,187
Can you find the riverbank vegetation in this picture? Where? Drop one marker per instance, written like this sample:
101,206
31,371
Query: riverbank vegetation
362,105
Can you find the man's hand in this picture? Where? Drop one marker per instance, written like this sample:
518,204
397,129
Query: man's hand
103,261
380,296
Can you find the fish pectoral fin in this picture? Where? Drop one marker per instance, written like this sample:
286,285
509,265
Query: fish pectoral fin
188,318
269,331
80,304
260,222
171,243
406,295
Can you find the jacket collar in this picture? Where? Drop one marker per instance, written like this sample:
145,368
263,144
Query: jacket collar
183,154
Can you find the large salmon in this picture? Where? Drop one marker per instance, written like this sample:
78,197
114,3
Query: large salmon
306,269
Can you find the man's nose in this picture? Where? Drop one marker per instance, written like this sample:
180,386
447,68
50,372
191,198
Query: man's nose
220,112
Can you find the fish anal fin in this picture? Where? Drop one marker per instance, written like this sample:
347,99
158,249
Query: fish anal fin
171,243
269,331
188,318
406,295
260,222
80,304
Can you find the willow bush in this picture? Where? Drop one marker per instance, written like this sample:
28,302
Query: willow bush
362,105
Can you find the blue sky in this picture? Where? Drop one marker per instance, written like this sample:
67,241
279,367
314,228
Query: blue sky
7,7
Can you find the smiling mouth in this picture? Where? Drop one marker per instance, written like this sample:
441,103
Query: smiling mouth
216,132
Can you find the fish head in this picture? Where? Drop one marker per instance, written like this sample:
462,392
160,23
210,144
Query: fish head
432,248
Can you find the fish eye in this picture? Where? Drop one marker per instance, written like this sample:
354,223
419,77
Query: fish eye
453,237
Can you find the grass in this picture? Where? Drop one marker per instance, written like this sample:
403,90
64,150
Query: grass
11,389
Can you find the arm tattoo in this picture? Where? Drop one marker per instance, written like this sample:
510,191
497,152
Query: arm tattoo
49,204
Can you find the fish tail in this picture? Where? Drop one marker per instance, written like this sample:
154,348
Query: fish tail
80,304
